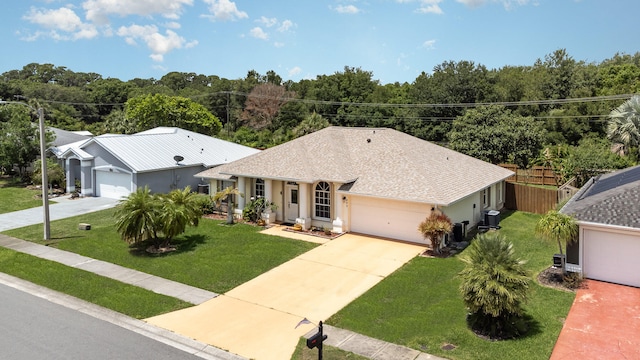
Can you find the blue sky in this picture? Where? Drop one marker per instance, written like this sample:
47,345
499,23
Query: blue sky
394,39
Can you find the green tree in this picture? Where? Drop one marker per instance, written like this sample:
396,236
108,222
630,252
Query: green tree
434,227
55,173
137,217
494,287
161,110
496,135
145,216
19,138
180,208
623,128
310,124
559,227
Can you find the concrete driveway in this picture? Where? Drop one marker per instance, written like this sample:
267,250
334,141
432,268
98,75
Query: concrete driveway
603,323
258,319
63,208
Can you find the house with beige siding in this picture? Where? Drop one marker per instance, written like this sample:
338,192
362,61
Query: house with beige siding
374,181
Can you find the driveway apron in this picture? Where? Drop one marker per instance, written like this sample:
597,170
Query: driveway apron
259,318
603,323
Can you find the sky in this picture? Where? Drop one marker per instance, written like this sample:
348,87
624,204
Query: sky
396,40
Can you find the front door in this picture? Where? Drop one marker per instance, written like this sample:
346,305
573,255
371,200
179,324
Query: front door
291,203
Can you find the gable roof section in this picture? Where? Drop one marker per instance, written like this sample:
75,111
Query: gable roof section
155,149
64,137
378,162
612,199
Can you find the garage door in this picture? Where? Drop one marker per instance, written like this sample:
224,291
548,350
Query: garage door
611,257
388,218
113,184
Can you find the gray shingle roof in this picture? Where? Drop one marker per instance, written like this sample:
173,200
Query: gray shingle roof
612,199
64,137
379,162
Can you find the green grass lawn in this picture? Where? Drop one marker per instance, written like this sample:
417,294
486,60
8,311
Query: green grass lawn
419,305
127,299
212,256
15,196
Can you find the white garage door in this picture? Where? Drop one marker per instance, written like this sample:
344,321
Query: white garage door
611,257
388,218
113,184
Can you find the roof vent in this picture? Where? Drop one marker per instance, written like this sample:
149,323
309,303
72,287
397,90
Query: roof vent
178,158
368,140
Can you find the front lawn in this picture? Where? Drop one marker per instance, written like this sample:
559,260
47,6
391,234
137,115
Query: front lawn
15,196
127,299
419,305
212,256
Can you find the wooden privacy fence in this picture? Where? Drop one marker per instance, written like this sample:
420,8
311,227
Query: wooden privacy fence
530,198
538,175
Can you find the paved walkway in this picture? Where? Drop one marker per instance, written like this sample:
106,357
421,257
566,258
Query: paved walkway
603,323
258,318
63,208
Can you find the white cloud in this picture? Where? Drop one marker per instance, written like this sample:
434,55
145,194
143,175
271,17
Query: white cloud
508,4
295,71
224,10
98,11
285,26
429,44
346,9
173,25
258,33
63,20
159,44
278,44
268,22
430,7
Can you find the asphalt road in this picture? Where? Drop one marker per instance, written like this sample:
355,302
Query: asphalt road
33,328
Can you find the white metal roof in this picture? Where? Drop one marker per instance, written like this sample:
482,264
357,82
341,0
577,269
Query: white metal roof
156,148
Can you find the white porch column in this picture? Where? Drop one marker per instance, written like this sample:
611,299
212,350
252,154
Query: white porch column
242,187
71,184
268,215
337,204
304,199
268,189
86,178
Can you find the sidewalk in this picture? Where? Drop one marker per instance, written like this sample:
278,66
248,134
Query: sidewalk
150,282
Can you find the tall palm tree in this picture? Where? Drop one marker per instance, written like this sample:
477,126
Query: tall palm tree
180,208
624,125
137,216
494,286
556,226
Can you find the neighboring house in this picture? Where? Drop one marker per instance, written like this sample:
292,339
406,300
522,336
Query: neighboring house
607,209
162,158
373,181
64,137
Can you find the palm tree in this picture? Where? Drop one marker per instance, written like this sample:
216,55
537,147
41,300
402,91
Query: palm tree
180,208
494,286
624,125
137,216
310,124
227,194
556,226
434,227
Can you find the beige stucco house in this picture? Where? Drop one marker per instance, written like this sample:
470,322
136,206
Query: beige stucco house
373,181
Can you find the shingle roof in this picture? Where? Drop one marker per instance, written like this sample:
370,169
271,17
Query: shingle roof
612,199
64,137
155,149
379,162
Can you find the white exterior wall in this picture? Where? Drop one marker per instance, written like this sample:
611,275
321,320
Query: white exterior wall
277,197
468,209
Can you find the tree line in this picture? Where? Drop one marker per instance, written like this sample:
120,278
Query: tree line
531,104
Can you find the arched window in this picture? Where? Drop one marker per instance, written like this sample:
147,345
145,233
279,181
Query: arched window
323,200
259,188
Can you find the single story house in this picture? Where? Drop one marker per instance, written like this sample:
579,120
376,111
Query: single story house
164,158
607,209
374,181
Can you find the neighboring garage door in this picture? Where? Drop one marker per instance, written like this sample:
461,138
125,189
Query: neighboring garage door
388,218
113,184
612,257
